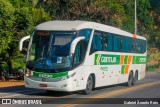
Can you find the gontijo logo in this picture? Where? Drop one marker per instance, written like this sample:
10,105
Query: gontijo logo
103,59
108,59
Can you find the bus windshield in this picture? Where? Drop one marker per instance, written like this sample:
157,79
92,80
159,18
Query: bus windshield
49,51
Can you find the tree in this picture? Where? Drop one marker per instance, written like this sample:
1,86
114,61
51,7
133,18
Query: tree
154,36
145,21
6,23
26,17
109,12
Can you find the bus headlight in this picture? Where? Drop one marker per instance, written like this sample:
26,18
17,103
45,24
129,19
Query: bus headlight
68,76
28,73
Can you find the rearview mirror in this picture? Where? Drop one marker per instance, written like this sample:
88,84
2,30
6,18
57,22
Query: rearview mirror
21,42
74,43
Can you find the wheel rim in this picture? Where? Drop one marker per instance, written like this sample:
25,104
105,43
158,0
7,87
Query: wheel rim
130,80
89,85
136,78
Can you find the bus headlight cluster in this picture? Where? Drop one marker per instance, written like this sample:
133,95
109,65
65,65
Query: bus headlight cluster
28,73
68,76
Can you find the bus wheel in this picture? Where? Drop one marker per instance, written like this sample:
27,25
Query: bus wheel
135,78
130,79
89,86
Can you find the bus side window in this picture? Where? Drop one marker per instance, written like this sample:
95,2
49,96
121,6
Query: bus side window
130,45
143,46
134,45
86,33
77,54
138,46
96,42
125,44
117,43
110,42
80,52
105,42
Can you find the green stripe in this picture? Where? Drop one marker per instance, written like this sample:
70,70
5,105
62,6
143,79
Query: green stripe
122,69
95,59
139,60
107,59
49,75
125,59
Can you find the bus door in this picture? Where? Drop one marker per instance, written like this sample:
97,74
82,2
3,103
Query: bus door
78,59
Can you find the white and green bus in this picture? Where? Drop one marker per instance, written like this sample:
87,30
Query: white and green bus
81,55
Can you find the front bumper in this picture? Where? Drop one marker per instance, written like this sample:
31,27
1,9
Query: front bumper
64,85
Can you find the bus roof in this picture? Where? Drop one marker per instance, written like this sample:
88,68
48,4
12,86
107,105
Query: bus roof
59,25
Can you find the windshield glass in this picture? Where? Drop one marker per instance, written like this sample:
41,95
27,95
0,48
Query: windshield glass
49,51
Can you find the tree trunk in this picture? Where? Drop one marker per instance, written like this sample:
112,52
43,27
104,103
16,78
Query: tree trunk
9,66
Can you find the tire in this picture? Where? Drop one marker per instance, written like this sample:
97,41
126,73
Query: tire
135,78
89,86
130,79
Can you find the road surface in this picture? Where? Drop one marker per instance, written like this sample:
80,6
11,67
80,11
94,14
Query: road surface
145,88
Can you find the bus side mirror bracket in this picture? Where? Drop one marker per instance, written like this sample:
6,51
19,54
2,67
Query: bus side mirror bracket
74,43
21,42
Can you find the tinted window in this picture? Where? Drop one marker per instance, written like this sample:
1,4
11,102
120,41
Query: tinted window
130,49
96,41
110,42
105,41
86,33
134,45
143,46
117,43
125,44
138,45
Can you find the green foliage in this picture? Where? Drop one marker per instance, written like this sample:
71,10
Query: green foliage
18,19
104,11
39,16
6,24
128,23
152,67
145,21
155,34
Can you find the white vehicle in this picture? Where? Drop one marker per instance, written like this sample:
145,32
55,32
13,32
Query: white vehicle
81,55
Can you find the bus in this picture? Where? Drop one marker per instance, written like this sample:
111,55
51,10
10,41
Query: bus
82,55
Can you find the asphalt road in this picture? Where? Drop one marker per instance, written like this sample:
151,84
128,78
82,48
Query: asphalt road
146,88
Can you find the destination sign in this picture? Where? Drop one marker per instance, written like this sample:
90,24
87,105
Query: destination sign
42,33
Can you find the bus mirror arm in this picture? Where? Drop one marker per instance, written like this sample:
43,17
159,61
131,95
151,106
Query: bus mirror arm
74,43
21,42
